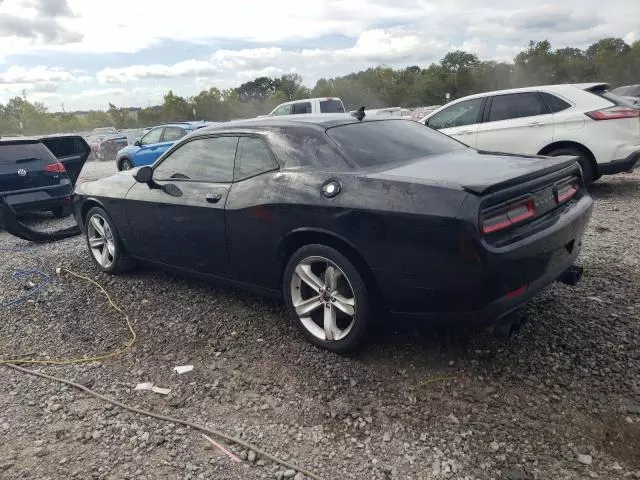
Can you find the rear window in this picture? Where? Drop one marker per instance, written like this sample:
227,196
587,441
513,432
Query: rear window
377,143
331,106
23,152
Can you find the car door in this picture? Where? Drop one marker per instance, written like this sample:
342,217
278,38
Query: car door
170,135
184,226
149,145
252,225
516,123
460,120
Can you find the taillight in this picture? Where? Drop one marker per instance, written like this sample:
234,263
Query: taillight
508,216
55,167
614,113
567,191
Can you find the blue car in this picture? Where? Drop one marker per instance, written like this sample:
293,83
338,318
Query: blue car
154,143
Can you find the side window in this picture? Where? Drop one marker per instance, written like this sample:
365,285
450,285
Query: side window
283,110
458,115
301,107
152,136
202,159
516,105
171,134
554,103
253,157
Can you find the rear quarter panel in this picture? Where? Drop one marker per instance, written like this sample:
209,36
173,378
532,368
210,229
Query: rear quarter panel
398,227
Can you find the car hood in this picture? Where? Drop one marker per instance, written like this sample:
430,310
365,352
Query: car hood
127,149
475,171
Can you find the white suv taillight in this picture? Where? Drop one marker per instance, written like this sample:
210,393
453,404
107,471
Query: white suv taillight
614,113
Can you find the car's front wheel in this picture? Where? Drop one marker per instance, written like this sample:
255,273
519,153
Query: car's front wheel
104,242
327,298
125,164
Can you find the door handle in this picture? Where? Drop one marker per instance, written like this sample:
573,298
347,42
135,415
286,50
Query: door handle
465,132
535,124
213,197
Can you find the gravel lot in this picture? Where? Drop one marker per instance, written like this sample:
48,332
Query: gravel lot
561,400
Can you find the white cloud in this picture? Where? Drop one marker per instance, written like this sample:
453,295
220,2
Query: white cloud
34,75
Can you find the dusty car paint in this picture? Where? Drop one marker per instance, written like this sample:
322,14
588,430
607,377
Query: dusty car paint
413,226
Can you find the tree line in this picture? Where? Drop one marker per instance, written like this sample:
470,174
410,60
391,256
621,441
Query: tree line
459,73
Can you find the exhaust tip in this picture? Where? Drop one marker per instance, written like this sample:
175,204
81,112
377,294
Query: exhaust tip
572,275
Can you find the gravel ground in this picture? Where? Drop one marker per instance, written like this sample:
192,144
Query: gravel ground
561,400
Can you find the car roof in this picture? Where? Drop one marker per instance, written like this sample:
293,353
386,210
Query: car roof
559,86
320,121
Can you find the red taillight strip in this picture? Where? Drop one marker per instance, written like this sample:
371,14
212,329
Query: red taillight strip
614,113
508,222
573,189
55,167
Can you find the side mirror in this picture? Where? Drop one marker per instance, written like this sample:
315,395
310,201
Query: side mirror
144,174
137,143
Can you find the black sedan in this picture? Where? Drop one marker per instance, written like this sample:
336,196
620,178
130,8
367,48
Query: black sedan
345,218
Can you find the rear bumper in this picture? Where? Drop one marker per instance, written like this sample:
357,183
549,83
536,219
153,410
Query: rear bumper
627,164
38,200
501,281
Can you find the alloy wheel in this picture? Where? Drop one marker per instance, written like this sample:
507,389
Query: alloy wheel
323,298
101,241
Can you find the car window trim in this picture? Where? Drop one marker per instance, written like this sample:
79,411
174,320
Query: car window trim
176,146
276,167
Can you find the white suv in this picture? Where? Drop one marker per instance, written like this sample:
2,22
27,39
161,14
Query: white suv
585,120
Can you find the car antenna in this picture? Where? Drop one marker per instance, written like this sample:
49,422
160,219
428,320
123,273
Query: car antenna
359,114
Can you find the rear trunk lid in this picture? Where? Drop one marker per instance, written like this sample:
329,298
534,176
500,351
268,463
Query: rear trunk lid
475,171
22,165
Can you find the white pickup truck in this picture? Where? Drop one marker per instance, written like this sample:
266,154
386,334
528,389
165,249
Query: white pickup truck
309,105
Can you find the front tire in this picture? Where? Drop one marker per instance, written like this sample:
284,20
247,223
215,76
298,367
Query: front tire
105,245
588,173
327,298
125,164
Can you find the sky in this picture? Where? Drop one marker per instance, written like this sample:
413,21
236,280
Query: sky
83,54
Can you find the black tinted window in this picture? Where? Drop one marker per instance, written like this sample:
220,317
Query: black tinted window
253,158
171,134
458,115
370,144
516,105
24,152
202,159
301,107
331,106
555,104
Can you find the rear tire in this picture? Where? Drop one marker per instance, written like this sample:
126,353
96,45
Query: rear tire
61,212
327,298
588,173
104,243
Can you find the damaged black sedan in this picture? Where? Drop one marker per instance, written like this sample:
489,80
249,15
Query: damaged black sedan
345,218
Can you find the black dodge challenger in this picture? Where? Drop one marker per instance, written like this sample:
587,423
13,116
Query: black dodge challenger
345,218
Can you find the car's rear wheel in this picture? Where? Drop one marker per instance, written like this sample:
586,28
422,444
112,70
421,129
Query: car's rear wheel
104,242
61,212
327,298
125,164
588,173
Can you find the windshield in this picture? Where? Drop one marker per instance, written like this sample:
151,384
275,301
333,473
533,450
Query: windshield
376,143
